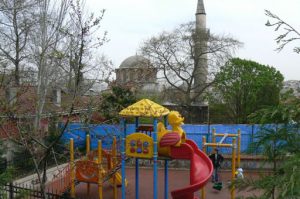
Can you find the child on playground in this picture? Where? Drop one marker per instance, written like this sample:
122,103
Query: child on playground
216,159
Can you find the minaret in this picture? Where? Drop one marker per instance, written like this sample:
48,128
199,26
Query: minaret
200,15
201,38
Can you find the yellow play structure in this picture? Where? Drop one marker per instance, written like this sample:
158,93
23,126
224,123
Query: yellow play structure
141,141
156,142
235,158
96,167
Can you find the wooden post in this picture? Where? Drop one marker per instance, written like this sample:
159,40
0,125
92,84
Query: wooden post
72,164
232,191
88,144
203,195
100,169
239,149
88,149
114,164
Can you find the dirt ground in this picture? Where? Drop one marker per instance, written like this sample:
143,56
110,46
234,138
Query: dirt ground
177,179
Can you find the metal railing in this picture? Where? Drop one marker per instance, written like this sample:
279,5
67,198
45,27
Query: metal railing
12,191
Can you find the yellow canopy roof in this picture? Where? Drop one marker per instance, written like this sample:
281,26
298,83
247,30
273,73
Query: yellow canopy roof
144,108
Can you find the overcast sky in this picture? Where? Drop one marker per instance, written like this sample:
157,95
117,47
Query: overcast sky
129,22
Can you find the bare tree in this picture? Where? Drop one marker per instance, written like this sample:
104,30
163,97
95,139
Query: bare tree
48,54
45,40
98,74
173,53
83,38
289,33
50,16
15,25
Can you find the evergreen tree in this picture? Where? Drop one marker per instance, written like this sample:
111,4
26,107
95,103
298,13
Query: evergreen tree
279,143
245,86
113,102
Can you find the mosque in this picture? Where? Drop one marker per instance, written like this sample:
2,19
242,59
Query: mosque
137,71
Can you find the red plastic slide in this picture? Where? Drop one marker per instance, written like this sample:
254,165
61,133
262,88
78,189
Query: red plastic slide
201,169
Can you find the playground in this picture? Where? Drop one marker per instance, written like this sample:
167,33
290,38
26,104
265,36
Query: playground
106,173
177,177
161,158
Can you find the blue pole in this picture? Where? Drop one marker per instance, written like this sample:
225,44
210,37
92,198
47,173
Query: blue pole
137,178
155,158
166,179
136,165
123,123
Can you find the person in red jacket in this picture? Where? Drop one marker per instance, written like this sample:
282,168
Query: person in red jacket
216,159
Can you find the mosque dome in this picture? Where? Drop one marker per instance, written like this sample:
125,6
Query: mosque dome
135,61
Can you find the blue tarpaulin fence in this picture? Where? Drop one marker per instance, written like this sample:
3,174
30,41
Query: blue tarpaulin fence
78,132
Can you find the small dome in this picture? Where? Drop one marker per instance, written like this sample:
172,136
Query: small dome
135,61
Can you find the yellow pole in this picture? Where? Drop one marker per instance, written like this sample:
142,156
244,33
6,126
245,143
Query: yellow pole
232,191
217,145
72,164
203,194
239,149
214,137
114,163
88,149
100,169
227,134
88,145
